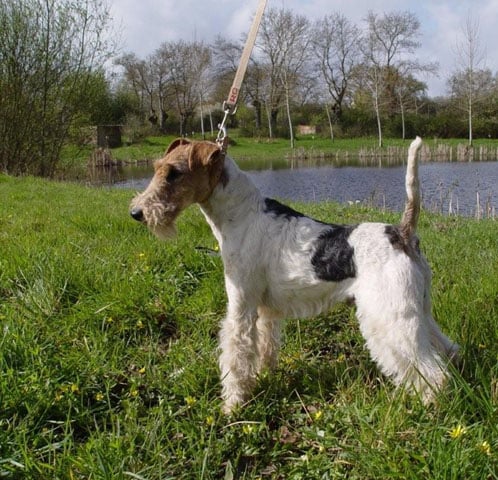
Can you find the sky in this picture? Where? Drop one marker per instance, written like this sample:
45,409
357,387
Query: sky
142,25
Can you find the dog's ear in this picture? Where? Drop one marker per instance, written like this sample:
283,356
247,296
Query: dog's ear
204,154
176,143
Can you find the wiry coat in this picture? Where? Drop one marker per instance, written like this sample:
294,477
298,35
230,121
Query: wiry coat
279,263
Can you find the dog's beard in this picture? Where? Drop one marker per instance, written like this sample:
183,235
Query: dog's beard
164,231
162,224
159,218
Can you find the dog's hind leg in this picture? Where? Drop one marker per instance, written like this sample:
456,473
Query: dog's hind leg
448,349
400,338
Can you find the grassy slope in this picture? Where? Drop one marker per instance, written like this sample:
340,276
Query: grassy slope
108,356
245,148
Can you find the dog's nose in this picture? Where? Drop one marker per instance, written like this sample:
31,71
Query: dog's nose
137,213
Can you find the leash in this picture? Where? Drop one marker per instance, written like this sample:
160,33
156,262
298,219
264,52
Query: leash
230,104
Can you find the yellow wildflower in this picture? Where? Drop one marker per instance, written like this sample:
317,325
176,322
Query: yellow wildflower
209,420
457,432
247,429
75,389
318,414
190,401
142,370
485,448
99,396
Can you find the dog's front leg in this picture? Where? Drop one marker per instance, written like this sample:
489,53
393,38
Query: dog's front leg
238,358
268,338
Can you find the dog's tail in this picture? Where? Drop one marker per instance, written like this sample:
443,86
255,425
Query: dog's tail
412,205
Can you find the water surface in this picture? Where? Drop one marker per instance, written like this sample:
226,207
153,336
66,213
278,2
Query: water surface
450,188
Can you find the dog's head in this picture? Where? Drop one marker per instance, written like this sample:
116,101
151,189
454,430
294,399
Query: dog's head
188,173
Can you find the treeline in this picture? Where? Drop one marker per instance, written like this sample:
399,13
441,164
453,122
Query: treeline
343,78
347,79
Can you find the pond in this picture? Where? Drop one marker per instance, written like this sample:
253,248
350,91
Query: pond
468,189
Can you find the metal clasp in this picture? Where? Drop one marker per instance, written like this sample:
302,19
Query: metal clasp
222,132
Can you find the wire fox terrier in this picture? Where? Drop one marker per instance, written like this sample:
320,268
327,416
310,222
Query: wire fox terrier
280,263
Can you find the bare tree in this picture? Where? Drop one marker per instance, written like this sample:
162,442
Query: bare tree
139,75
470,59
186,64
389,45
336,44
407,89
283,44
295,56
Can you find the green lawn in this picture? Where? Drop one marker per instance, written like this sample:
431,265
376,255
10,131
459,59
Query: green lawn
108,356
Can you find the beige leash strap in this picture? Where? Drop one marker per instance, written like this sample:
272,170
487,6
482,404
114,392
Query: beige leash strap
230,104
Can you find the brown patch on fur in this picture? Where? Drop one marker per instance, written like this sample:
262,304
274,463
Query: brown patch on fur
187,174
176,143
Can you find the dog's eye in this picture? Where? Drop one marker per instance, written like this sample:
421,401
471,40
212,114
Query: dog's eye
173,174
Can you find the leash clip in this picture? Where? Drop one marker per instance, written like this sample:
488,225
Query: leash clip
222,132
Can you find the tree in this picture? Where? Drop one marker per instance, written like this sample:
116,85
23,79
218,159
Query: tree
185,65
283,43
139,74
336,44
470,58
49,50
388,49
408,90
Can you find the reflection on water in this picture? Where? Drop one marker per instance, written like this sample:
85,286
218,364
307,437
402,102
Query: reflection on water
450,188
118,174
446,187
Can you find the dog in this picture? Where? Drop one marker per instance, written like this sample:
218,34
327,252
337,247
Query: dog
279,263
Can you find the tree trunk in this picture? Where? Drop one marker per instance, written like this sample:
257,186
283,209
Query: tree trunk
329,118
287,106
470,119
202,119
402,108
377,114
211,123
257,114
268,115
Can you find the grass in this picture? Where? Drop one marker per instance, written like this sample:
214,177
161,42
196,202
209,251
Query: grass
108,356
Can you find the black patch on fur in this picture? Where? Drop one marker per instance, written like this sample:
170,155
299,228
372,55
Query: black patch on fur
396,239
333,255
394,236
278,209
